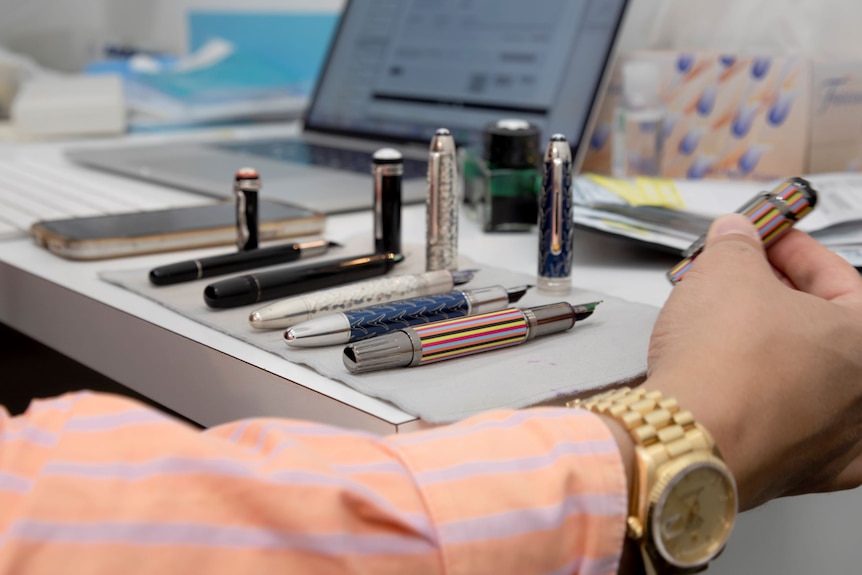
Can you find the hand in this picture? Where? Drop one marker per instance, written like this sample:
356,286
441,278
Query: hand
769,360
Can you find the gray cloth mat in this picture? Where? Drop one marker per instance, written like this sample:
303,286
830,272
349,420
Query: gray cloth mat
606,349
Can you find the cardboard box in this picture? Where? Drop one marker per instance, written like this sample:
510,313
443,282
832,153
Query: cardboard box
747,117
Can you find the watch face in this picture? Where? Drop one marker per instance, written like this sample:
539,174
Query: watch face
692,518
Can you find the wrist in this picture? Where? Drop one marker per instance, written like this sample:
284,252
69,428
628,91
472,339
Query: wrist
682,497
630,558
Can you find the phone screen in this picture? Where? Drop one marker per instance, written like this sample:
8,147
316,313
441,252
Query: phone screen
170,221
132,233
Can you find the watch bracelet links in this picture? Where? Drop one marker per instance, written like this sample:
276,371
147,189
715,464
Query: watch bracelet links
655,423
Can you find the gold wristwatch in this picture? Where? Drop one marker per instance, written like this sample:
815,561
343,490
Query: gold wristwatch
682,504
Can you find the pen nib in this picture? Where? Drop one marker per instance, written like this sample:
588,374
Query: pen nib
585,310
516,293
460,277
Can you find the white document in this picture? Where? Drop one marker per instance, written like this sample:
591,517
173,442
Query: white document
672,213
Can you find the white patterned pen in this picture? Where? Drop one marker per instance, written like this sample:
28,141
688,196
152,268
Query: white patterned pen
294,310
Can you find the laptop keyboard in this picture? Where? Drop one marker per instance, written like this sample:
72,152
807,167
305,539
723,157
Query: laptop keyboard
315,154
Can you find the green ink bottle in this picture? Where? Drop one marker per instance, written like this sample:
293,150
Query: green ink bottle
502,181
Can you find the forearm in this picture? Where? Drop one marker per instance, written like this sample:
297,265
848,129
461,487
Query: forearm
110,483
549,481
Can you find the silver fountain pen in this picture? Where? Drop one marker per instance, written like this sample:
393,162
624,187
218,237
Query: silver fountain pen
297,309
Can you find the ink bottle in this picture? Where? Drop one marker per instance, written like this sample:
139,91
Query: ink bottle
502,181
638,137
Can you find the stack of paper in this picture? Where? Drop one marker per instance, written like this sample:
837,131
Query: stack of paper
216,83
671,214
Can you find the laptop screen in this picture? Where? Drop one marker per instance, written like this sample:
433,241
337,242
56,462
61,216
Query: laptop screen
400,69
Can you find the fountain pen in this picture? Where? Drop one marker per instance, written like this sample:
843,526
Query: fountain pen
290,280
374,320
452,338
224,264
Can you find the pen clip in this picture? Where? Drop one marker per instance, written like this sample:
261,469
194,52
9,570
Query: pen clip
557,208
378,203
241,220
434,166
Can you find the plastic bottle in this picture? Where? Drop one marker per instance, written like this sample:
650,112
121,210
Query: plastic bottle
638,122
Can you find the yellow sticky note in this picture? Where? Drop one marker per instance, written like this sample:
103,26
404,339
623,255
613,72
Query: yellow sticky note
643,191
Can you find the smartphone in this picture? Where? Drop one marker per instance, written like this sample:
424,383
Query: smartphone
134,233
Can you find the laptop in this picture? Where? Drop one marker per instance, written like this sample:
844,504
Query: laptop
396,71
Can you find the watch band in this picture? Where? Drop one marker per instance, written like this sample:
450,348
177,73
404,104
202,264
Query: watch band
671,451
654,422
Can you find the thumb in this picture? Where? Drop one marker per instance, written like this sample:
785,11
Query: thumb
733,227
733,247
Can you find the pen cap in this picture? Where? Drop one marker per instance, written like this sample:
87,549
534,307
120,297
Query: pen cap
442,204
511,143
245,187
556,221
387,167
550,318
394,349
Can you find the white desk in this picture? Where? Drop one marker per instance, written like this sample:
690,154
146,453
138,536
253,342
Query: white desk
211,378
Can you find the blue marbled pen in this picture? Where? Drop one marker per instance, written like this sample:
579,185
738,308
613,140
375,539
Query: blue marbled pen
556,220
363,323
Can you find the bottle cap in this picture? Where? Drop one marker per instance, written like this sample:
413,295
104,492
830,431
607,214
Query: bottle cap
512,143
641,83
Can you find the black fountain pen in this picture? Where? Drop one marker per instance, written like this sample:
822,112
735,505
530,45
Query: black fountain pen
237,261
292,280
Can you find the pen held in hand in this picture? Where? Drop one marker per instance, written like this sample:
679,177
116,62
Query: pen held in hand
287,281
773,213
376,320
190,270
449,339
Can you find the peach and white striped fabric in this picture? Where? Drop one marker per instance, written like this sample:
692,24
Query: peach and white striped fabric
98,484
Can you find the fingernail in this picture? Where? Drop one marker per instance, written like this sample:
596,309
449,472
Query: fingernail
733,224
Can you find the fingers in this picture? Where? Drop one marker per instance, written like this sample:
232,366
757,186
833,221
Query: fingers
797,258
733,224
813,268
733,248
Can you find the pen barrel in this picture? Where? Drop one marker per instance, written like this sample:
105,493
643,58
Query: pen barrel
245,188
470,335
292,281
556,221
450,339
387,169
350,297
442,204
377,320
246,260
773,213
283,282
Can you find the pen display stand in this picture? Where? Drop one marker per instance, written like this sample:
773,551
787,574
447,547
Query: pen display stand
503,199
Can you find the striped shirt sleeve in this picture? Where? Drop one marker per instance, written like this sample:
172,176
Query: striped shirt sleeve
100,484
